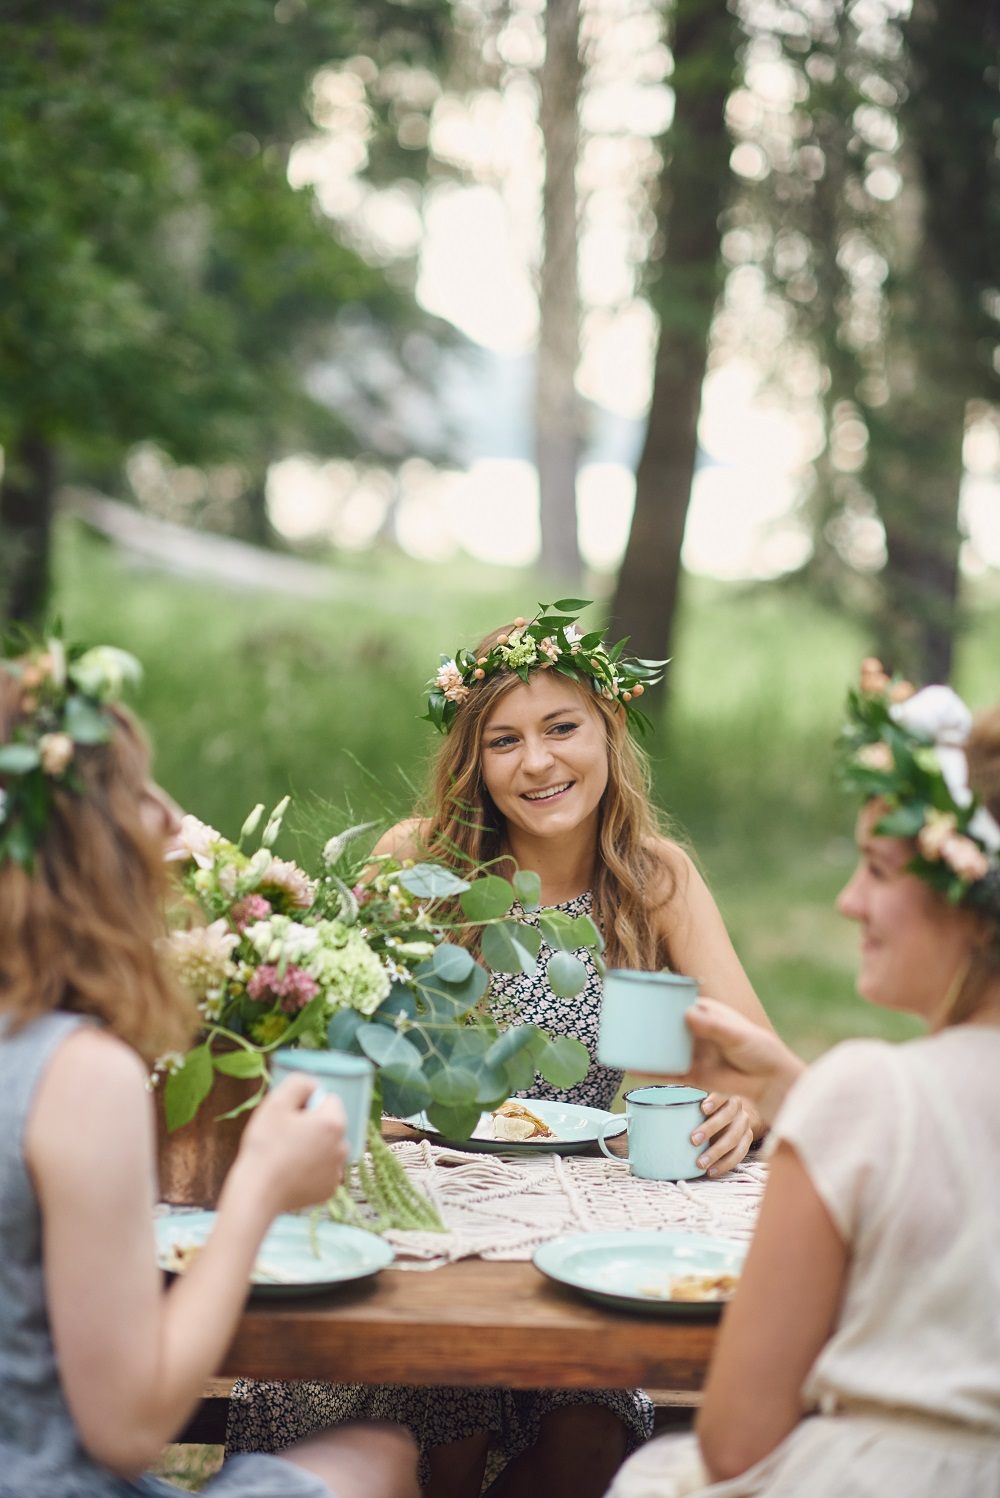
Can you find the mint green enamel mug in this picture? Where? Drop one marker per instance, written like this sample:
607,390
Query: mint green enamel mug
350,1078
642,1021
661,1121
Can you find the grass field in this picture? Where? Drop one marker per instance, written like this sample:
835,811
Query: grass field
251,695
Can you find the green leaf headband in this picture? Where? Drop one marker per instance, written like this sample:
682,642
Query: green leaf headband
906,749
64,695
552,640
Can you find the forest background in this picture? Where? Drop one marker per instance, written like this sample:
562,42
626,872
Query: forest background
256,329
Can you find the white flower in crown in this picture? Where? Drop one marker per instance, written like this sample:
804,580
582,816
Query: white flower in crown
939,714
104,672
573,634
449,681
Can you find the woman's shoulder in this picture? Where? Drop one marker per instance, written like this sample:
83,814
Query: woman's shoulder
407,839
673,871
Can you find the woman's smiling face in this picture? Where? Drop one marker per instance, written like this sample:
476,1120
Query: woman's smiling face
544,754
914,945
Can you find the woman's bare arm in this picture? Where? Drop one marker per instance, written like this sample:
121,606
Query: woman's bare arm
780,1318
133,1358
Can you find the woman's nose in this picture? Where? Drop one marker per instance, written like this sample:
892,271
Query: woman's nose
849,902
537,754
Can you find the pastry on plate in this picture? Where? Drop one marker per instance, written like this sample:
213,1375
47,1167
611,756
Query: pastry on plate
514,1122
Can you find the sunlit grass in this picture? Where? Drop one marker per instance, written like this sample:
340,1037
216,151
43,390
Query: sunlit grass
249,695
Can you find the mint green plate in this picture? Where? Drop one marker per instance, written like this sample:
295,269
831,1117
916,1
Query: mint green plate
575,1127
632,1271
296,1256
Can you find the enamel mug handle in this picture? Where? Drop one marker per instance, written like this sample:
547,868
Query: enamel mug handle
615,1160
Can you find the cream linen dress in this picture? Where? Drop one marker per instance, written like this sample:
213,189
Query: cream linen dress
903,1145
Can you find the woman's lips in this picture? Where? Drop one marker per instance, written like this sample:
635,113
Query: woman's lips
547,794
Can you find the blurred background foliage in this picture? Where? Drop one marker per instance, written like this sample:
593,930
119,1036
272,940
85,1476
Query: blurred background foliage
213,263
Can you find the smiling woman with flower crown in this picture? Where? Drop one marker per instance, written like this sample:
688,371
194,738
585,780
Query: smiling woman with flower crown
538,772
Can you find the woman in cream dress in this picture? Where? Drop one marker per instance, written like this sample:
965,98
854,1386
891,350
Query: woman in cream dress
861,1354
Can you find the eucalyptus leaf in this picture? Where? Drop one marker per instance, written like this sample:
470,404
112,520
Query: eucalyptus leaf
404,1090
19,759
454,1086
511,948
429,881
558,930
528,888
904,821
452,963
563,1061
566,974
488,898
386,1047
187,1088
342,1031
85,723
454,1122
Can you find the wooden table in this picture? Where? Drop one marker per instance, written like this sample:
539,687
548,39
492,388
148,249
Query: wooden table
473,1322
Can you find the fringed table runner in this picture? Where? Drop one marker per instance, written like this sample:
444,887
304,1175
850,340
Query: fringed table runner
503,1207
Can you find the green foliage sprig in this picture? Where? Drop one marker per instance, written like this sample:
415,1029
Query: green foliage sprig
64,693
553,640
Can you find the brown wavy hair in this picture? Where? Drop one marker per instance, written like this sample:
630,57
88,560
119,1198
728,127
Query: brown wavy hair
80,931
982,752
465,829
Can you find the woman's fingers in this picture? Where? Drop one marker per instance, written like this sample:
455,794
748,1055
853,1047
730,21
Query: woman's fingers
726,1133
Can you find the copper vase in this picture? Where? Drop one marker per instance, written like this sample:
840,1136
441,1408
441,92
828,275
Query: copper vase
193,1161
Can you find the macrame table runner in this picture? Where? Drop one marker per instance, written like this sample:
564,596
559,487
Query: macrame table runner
503,1207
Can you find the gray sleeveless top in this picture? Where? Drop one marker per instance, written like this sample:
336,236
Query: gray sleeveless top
40,1451
41,1455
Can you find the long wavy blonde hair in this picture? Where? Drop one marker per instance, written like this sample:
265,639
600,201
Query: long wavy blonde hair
80,931
465,829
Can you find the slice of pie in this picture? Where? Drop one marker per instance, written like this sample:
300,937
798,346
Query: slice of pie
514,1122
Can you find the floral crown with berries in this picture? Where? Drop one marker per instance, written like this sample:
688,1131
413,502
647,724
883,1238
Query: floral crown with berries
64,696
907,749
552,640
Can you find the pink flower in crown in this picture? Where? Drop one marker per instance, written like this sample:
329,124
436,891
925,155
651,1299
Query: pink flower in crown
965,858
293,989
56,750
251,908
449,681
289,880
875,757
550,648
938,828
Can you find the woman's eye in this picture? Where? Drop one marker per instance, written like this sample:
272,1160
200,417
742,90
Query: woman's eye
563,728
503,742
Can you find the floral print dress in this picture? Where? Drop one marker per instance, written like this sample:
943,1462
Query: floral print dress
270,1416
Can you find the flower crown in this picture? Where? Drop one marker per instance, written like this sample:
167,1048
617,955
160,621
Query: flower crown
907,749
552,639
64,695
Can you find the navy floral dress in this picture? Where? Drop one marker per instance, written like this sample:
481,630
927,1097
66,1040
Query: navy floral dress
269,1416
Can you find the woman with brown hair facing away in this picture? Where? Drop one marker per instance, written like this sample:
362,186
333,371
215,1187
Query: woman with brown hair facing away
99,1366
861,1353
538,771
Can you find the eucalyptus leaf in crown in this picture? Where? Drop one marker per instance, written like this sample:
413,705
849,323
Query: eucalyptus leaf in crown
552,640
361,959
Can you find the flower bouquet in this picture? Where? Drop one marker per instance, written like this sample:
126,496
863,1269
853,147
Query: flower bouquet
360,959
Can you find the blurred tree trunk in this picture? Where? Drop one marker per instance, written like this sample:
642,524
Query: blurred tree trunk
941,335
27,503
557,407
683,284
